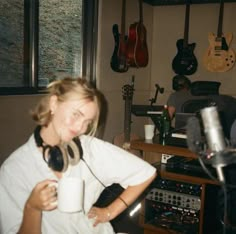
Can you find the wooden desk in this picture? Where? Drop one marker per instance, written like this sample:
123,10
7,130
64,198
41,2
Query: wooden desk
157,148
172,150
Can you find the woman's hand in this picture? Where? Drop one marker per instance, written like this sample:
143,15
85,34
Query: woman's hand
100,215
43,196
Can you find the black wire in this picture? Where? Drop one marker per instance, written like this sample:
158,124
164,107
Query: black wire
127,206
224,189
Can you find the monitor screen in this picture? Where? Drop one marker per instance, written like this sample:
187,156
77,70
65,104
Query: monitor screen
181,119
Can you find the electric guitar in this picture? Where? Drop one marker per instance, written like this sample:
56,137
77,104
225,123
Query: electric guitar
118,60
219,57
137,50
185,62
123,140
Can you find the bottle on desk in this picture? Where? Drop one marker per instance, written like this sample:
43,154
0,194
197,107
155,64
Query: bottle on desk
165,124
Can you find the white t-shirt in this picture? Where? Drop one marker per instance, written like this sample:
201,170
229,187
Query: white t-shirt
25,168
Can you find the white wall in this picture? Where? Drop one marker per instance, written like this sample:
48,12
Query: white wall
165,25
168,27
111,82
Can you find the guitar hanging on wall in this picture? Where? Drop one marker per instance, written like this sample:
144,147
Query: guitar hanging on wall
185,62
137,50
219,57
123,140
118,60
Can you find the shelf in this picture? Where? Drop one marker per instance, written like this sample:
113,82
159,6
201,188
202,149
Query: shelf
157,148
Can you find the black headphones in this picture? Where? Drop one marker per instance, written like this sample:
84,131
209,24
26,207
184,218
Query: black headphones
179,81
60,156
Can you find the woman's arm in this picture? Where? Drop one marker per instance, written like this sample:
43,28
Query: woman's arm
31,223
128,196
41,198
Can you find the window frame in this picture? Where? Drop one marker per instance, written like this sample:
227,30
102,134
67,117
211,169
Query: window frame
31,38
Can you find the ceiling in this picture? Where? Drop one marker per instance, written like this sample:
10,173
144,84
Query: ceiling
181,2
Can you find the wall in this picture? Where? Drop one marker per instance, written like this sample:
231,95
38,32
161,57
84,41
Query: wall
168,27
111,82
15,122
165,25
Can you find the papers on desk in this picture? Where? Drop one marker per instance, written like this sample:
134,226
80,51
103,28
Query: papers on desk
181,133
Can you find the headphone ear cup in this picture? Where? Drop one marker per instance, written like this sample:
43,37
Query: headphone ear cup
73,153
64,158
58,160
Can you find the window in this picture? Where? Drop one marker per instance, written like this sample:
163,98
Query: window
42,39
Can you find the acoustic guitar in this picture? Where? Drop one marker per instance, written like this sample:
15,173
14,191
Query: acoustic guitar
137,50
118,60
123,140
219,57
185,62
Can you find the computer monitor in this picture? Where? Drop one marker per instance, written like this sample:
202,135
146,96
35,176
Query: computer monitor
181,119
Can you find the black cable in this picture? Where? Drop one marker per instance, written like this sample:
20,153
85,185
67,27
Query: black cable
224,189
127,206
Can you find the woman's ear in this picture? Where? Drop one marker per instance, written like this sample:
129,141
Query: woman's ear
53,103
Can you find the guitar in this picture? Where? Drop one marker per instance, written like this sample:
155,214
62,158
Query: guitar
219,57
123,140
137,50
118,60
185,62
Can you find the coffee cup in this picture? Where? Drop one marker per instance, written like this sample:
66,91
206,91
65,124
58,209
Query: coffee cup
70,194
149,131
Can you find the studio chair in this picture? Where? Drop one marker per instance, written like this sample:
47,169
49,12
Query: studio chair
195,105
205,88
202,92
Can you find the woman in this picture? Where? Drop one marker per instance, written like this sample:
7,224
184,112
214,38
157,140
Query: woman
67,116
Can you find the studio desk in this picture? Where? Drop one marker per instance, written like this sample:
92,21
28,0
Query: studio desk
154,207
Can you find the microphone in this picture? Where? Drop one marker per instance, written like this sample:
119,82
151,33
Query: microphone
215,137
213,129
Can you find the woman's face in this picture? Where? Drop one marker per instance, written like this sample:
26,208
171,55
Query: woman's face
72,117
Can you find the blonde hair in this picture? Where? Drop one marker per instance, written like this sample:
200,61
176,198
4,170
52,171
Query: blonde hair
64,89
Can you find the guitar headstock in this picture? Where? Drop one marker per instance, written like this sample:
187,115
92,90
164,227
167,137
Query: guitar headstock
128,91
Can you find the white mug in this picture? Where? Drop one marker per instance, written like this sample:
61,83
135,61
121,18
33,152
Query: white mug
149,131
70,194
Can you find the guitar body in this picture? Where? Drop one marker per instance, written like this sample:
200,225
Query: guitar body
219,57
137,51
185,62
118,59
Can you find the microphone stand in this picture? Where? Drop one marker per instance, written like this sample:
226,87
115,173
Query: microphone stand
158,88
221,159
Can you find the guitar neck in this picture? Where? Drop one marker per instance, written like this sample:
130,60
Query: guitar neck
127,122
128,97
220,23
186,25
141,11
122,31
